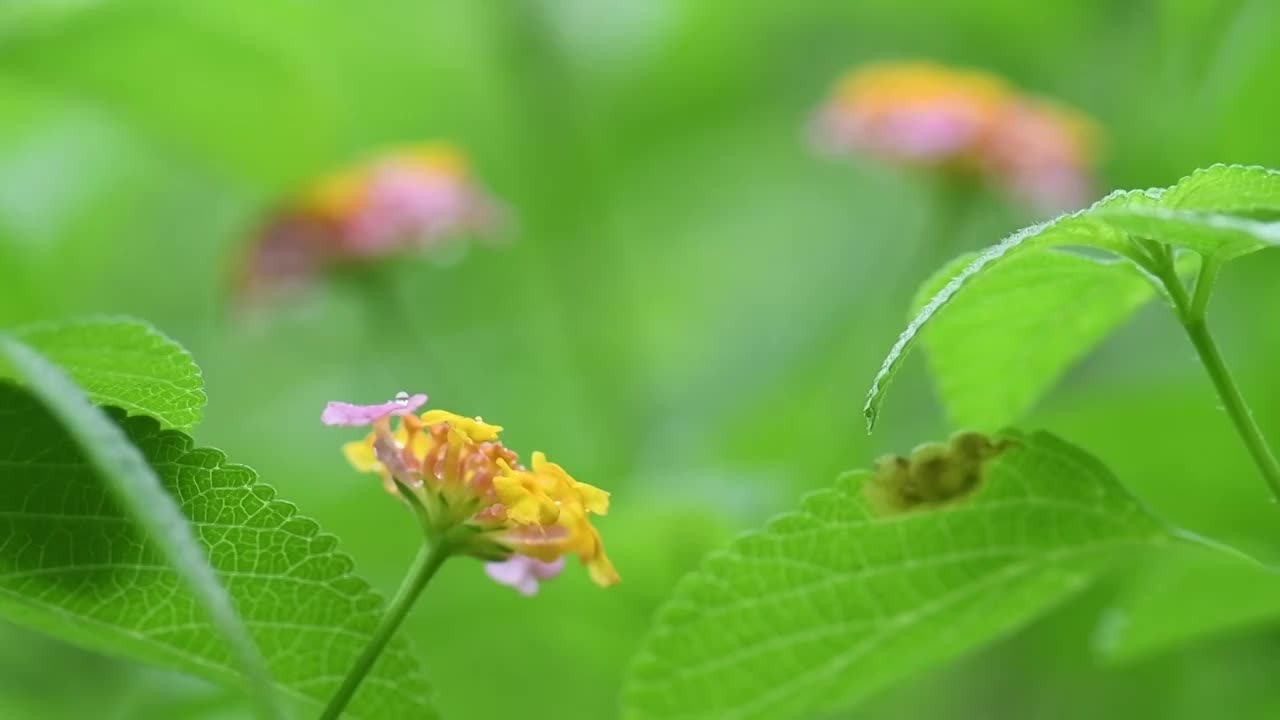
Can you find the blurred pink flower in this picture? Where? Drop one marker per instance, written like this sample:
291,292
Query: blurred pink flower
413,197
909,112
523,572
920,113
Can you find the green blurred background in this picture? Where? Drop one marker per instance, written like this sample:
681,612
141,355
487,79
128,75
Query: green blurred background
687,314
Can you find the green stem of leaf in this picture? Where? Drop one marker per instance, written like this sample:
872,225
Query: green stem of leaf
1204,288
424,567
1191,311
1234,402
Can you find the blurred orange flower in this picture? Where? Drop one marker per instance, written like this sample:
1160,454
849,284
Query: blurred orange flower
922,113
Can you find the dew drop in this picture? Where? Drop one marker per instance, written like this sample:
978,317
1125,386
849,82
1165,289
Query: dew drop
402,397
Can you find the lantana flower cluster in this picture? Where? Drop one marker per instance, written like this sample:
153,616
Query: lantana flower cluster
921,113
473,493
414,197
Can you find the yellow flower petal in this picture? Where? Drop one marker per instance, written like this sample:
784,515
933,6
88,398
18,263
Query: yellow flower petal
573,534
361,456
475,429
584,541
524,500
595,499
567,490
602,571
590,550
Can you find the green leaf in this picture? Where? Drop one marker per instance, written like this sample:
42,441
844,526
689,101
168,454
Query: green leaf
1021,325
73,564
824,606
1211,235
1236,189
1080,229
1187,596
1205,211
135,487
122,362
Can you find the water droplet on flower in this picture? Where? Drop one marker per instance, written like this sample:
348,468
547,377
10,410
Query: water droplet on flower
402,397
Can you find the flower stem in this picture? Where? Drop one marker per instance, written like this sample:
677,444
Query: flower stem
424,567
1191,311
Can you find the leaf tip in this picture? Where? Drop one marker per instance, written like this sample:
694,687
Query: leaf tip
870,413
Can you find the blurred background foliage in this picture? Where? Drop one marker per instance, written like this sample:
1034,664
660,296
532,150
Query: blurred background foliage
686,312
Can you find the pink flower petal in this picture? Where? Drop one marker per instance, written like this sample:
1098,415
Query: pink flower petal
342,413
523,572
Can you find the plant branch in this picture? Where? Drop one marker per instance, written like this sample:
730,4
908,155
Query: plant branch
424,567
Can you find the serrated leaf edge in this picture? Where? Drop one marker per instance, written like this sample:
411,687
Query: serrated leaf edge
198,393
